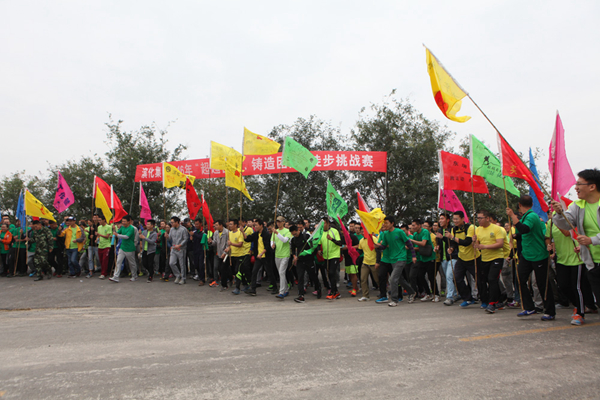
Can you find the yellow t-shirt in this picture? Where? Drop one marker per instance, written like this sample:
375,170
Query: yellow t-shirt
261,247
465,253
370,256
487,236
237,237
506,247
247,245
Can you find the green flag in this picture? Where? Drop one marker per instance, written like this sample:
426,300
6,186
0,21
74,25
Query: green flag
298,157
485,164
336,205
314,239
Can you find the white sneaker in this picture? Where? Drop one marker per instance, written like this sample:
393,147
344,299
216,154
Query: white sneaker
116,280
177,280
426,298
196,277
411,298
133,279
363,299
102,277
181,281
436,299
392,304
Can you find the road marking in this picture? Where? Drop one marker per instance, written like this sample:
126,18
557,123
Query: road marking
516,333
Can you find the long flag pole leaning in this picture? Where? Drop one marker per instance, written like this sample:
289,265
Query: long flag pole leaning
166,248
278,183
242,175
511,241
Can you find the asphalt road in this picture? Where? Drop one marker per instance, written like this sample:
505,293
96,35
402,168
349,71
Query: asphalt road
92,339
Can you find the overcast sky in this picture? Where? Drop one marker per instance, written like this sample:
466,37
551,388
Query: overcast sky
215,67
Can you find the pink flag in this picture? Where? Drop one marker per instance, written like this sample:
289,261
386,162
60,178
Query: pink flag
352,252
145,213
64,196
562,174
448,201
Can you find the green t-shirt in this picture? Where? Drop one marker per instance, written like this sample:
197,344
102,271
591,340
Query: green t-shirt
395,241
533,243
419,237
73,244
565,248
104,243
282,250
32,245
127,245
16,232
408,252
55,235
331,250
590,226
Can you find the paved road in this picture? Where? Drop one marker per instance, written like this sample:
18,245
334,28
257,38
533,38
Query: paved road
96,340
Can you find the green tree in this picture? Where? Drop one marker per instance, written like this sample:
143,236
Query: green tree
409,189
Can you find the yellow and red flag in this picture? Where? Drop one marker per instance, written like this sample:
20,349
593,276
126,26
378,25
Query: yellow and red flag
446,92
221,156
35,208
172,177
234,179
259,145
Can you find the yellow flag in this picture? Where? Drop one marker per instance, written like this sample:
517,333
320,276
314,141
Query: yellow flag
446,92
221,156
35,208
373,220
172,177
234,179
259,145
102,204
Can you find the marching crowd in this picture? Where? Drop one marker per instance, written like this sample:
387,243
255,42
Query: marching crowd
525,263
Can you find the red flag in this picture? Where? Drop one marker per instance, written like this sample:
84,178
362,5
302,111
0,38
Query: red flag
362,206
455,174
108,193
352,252
193,202
562,174
513,166
448,201
206,212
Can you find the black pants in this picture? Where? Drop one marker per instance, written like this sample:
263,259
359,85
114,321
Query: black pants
430,268
540,268
333,267
199,264
209,260
309,267
148,263
384,271
460,273
225,270
573,281
258,264
18,256
321,267
417,276
594,279
189,261
490,290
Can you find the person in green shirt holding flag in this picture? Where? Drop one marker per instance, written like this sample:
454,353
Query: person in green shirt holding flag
127,250
331,243
149,239
584,214
5,241
280,242
393,241
534,258
425,264
18,253
104,234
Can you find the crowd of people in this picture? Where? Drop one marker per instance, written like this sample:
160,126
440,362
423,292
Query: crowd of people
524,264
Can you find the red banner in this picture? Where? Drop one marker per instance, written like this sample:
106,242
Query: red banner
455,174
373,161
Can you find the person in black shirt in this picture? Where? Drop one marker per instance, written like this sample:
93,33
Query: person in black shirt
303,262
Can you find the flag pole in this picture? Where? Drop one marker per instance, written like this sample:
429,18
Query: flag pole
242,174
451,265
278,185
532,174
166,248
512,241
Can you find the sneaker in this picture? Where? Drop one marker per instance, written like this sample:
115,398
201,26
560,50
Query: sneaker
363,299
149,280
411,298
436,299
483,305
39,278
270,287
251,292
426,298
31,275
176,280
547,317
514,304
336,296
235,291
223,288
314,293
467,303
246,288
113,280
392,304
280,297
526,313
166,280
181,281
201,283
88,276
101,276
559,306
381,300
140,273
591,311
352,293
133,279
500,306
299,299
275,291
448,302
491,309
213,284
577,320
196,277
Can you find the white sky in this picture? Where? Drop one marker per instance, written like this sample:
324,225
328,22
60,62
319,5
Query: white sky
215,67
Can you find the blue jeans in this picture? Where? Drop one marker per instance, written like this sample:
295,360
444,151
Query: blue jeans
73,261
448,267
